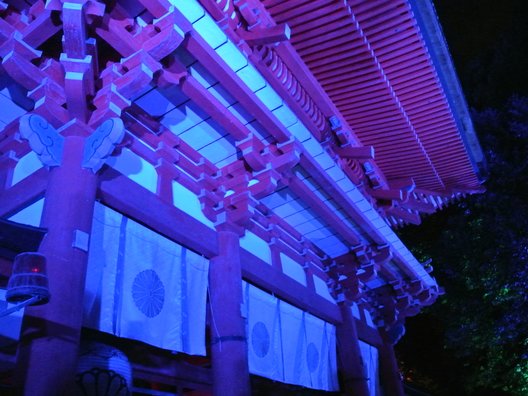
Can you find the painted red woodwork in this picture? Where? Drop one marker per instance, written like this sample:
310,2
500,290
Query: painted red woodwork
390,377
51,333
24,193
229,354
351,365
356,74
376,61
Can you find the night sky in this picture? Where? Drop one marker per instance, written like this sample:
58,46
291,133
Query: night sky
488,42
486,278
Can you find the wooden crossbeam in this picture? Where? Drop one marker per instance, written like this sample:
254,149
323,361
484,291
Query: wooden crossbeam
403,214
265,36
349,151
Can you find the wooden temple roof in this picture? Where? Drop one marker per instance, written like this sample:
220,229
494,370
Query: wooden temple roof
372,61
321,124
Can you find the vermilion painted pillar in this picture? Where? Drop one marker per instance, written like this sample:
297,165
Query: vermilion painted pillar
228,334
350,362
389,373
47,354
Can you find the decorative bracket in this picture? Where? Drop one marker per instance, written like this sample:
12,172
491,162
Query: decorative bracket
100,144
43,139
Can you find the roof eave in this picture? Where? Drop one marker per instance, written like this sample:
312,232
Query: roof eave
427,19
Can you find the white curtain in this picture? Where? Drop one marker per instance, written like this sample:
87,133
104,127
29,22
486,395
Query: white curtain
294,345
369,354
287,344
263,332
143,286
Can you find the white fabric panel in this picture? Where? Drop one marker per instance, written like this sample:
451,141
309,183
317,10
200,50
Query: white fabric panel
288,345
102,263
294,345
264,337
320,358
143,286
333,383
321,369
316,347
369,354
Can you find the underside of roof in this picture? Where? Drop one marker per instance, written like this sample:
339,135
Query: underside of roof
372,61
315,125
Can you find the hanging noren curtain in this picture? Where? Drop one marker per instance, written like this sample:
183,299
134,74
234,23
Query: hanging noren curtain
143,286
287,344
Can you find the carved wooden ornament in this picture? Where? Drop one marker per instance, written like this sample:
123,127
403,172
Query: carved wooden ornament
43,139
100,144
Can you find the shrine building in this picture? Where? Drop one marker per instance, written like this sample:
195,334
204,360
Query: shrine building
200,197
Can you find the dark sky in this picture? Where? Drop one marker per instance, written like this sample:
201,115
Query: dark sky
488,40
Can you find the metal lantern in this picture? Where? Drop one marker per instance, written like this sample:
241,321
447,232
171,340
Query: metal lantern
28,279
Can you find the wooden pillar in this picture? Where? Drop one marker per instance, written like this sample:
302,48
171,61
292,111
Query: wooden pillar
353,371
228,329
47,354
389,373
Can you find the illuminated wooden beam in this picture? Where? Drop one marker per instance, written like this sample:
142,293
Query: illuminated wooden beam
23,193
388,195
406,216
421,206
271,35
348,151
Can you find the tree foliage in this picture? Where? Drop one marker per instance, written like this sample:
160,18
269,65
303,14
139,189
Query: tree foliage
480,250
474,340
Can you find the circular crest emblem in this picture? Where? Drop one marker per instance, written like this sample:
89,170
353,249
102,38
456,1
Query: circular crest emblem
260,339
312,357
148,293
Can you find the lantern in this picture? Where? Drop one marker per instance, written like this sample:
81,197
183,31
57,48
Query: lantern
28,280
103,370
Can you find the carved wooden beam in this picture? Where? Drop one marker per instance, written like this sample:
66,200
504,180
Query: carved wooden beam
158,8
348,151
421,206
17,57
406,184
74,29
49,99
406,216
42,26
114,32
387,194
382,254
78,84
265,36
121,82
167,35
